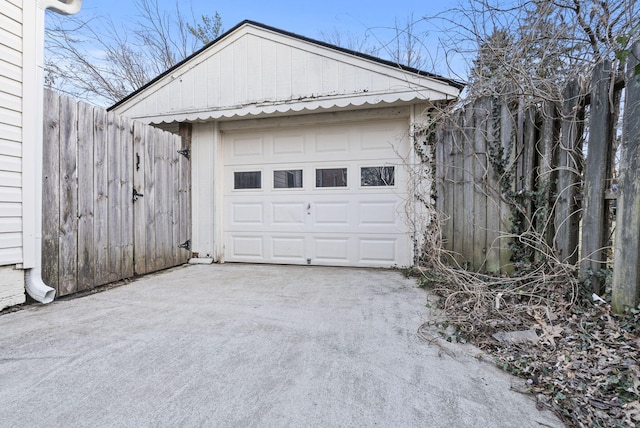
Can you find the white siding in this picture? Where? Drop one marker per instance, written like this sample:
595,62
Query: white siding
11,285
11,60
10,132
254,71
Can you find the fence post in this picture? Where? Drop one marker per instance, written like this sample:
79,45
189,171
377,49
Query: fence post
598,166
626,279
567,215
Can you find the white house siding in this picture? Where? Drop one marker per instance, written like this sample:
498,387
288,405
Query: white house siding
11,60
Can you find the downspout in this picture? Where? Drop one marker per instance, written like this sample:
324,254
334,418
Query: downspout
34,285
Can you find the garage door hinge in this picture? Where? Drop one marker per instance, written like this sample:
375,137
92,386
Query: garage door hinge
186,153
186,245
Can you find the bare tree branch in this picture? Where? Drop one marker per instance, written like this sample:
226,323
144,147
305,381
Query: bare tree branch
96,60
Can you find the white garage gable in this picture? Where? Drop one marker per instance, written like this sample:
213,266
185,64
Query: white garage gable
258,70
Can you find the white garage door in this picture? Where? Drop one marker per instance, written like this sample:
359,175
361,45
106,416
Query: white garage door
324,195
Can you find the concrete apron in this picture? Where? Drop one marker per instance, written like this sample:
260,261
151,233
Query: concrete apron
246,345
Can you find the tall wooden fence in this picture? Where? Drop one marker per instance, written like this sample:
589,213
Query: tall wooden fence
116,197
509,174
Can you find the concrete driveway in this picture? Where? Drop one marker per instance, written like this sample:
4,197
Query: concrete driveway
248,346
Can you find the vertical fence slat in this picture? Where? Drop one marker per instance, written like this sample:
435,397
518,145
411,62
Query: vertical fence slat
163,175
449,193
547,172
86,251
175,201
184,176
100,197
149,201
529,160
439,169
114,224
458,197
567,218
626,275
68,197
594,218
126,196
481,115
467,207
51,189
139,206
493,193
507,137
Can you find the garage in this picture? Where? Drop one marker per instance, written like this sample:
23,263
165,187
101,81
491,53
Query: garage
320,195
300,150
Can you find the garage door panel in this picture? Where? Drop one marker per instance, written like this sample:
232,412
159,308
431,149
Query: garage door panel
330,213
288,144
290,249
332,142
243,213
288,213
247,147
378,250
331,250
378,214
246,247
290,220
382,135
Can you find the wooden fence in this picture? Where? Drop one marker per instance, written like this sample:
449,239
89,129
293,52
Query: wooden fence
510,174
95,230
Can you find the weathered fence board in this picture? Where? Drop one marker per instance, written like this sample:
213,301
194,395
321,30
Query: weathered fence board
93,231
468,160
139,220
567,216
597,174
547,173
626,275
479,180
114,236
492,192
184,171
100,200
126,200
457,153
51,189
86,243
507,137
68,204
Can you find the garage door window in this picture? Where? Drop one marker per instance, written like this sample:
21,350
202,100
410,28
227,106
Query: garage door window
288,179
247,180
331,177
377,176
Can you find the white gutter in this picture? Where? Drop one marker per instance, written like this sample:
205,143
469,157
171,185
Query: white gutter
32,125
63,7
